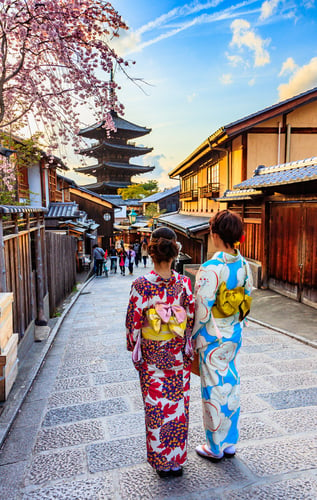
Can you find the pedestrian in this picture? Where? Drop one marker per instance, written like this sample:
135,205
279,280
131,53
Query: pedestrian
159,327
137,248
113,259
98,253
144,252
122,256
129,260
222,291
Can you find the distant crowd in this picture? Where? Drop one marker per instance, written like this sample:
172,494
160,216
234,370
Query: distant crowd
120,257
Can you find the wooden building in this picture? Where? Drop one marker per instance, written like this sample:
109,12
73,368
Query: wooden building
282,133
279,207
113,154
166,201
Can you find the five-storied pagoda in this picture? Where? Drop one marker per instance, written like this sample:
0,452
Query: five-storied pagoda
113,169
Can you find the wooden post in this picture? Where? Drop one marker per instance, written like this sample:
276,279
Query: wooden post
41,319
19,276
3,276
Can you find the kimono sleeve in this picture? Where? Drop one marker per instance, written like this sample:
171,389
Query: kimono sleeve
206,286
134,318
188,303
248,284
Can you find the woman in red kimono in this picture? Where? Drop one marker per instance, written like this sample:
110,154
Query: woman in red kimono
159,327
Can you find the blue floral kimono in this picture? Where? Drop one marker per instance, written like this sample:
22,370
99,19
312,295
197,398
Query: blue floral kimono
218,357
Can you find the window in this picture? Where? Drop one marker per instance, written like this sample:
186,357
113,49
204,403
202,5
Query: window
213,174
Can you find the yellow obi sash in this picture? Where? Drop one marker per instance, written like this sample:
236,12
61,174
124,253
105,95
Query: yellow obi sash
229,302
164,322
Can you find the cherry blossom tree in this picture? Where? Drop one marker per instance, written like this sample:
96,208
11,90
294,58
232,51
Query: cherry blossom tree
55,58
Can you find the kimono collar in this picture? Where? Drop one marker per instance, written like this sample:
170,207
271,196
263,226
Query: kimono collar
153,277
227,258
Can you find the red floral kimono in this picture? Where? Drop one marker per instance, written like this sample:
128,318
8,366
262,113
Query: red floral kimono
164,367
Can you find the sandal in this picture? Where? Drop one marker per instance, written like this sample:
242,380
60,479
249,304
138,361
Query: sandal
204,452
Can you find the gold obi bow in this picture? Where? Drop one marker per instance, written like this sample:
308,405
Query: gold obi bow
229,302
164,322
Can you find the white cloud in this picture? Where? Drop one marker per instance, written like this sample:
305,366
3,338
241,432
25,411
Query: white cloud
288,66
303,79
226,79
267,8
236,60
251,82
244,36
132,41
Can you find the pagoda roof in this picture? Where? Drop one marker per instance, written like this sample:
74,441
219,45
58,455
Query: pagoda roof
114,165
130,149
101,187
128,128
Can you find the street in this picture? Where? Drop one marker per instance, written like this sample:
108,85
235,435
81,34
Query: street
80,433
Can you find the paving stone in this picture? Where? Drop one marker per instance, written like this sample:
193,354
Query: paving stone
30,414
71,383
289,354
120,364
116,454
195,412
304,488
126,425
250,403
248,359
70,435
136,402
291,398
73,397
70,362
196,435
293,422
254,427
115,376
259,348
96,366
85,411
100,488
280,457
295,365
46,467
256,384
121,389
256,370
293,380
199,476
16,448
11,480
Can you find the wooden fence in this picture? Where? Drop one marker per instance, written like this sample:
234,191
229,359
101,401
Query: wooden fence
61,267
33,262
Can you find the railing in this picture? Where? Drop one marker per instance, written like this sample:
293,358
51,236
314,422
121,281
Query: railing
192,195
211,190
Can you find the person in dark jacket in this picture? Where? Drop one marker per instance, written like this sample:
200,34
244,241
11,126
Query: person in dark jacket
99,254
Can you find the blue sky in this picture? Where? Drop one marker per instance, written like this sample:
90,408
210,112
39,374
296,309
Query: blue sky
208,63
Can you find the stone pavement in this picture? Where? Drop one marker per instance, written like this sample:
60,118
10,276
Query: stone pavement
80,432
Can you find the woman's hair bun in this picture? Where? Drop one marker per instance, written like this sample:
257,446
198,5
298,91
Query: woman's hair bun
163,245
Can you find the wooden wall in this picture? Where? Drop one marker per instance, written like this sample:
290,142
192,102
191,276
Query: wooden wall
61,267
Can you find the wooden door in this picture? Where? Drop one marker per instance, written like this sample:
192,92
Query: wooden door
293,252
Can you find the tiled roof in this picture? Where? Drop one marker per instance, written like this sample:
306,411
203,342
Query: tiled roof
120,124
63,210
13,209
185,223
286,173
238,194
161,195
118,200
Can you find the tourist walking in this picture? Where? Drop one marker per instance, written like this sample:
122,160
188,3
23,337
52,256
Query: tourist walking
98,254
222,291
159,327
122,255
113,259
129,260
144,252
137,249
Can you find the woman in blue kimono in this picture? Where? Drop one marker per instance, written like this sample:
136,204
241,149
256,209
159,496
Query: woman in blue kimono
217,337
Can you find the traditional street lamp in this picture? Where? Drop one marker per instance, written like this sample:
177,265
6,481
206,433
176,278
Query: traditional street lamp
132,216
